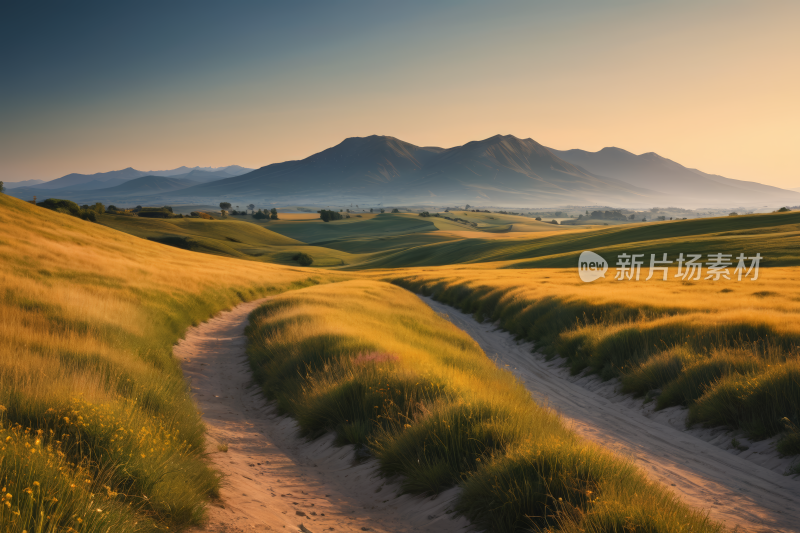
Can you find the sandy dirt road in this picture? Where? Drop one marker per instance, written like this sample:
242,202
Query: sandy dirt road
736,491
275,481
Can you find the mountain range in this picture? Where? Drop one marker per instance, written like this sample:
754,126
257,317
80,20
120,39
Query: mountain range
103,180
502,170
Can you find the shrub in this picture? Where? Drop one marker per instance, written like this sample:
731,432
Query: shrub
304,259
154,214
327,215
55,203
68,207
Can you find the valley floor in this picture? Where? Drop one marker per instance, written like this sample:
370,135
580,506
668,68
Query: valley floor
275,481
738,491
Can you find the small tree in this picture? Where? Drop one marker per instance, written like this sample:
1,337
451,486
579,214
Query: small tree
734,214
781,210
252,208
225,206
467,208
382,210
370,210
2,187
274,215
395,210
260,215
99,208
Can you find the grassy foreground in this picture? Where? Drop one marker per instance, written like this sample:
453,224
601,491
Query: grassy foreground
98,432
371,362
729,351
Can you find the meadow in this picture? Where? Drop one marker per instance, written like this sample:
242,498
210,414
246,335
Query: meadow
98,431
729,351
422,397
726,350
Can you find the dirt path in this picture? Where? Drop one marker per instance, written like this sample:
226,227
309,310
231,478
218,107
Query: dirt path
275,481
735,490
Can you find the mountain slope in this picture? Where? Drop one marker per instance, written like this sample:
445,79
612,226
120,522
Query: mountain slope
24,183
501,169
672,179
103,180
74,179
146,185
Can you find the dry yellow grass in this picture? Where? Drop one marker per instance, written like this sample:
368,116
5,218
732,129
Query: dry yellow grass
88,316
728,350
373,363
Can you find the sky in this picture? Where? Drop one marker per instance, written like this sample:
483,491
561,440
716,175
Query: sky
93,87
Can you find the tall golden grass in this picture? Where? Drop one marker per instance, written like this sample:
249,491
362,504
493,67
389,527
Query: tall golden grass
374,364
728,350
93,407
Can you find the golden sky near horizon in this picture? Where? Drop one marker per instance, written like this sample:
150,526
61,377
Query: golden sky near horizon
711,85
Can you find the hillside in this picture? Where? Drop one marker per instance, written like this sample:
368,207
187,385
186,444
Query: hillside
146,185
84,188
89,318
686,187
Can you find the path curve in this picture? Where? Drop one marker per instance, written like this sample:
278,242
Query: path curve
275,481
734,490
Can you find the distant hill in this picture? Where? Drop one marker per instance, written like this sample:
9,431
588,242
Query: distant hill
205,176
146,185
501,170
74,181
673,180
104,180
25,183
205,173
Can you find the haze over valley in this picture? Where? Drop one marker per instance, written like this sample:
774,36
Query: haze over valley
502,170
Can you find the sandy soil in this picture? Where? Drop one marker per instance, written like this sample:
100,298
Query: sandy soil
275,481
744,489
